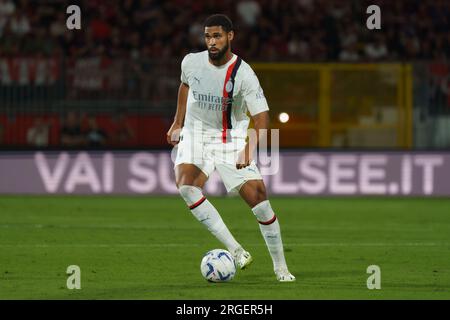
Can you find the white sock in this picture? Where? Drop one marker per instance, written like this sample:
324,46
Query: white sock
205,212
270,229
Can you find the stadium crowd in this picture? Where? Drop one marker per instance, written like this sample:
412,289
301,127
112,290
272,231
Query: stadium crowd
128,52
267,30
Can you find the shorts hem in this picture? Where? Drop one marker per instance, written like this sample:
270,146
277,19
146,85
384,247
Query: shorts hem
206,173
238,187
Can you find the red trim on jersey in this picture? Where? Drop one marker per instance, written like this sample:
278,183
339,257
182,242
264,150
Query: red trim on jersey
199,202
270,221
225,123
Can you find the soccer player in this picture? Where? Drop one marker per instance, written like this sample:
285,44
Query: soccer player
210,130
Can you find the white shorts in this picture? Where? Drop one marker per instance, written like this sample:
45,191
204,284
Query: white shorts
210,154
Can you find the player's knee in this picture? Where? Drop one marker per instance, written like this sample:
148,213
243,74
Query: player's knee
254,193
190,194
259,195
180,181
187,180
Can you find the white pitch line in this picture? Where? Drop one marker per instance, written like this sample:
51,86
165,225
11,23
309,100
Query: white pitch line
287,245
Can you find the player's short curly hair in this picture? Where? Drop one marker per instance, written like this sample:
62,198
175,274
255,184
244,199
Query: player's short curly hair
219,20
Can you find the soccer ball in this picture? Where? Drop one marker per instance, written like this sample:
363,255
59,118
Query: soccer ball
218,266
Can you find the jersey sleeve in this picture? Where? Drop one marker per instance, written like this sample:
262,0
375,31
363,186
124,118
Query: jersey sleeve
253,94
184,69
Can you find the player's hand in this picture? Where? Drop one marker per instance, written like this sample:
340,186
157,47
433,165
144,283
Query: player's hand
244,158
173,135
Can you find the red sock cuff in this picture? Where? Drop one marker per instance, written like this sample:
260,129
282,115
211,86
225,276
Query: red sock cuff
269,221
199,202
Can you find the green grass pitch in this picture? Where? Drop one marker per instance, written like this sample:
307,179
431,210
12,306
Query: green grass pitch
151,247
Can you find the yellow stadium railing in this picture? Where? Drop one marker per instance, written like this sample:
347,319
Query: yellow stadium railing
340,105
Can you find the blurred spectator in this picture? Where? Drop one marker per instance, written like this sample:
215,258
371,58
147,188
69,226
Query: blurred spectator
1,133
7,9
71,134
349,35
299,48
100,27
312,30
122,132
339,9
249,10
95,136
129,51
349,53
58,26
20,24
38,134
196,33
376,50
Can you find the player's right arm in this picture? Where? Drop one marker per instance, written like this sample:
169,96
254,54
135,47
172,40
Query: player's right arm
173,135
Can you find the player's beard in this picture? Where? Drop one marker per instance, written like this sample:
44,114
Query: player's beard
216,56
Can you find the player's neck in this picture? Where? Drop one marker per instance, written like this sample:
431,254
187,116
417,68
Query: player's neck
227,57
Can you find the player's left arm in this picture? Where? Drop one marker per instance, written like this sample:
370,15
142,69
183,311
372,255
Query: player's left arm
258,108
261,122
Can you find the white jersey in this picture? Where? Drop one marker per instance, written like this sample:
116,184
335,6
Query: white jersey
219,97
